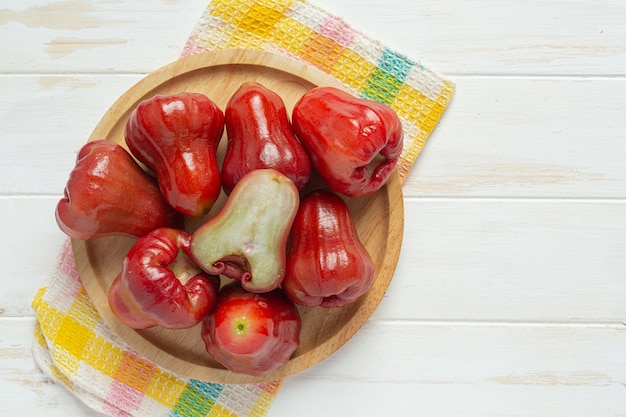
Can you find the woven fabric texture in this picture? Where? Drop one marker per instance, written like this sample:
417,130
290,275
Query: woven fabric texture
364,65
72,343
74,346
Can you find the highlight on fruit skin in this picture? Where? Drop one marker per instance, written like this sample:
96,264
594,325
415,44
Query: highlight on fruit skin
176,136
252,333
108,193
160,286
259,135
354,143
327,264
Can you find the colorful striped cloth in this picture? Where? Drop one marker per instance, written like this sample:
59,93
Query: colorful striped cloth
72,343
74,346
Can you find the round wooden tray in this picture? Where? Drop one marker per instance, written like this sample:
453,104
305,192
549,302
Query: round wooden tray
379,219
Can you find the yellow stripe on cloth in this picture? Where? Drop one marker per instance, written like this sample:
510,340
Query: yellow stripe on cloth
364,65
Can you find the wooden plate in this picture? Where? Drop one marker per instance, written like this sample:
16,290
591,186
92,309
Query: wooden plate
379,219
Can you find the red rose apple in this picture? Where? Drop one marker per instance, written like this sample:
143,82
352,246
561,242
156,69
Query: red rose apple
252,333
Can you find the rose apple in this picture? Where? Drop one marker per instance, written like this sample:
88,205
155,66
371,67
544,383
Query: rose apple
327,264
252,333
177,136
354,143
160,286
108,193
260,136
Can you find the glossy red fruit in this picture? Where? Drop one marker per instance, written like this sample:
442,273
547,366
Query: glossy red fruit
327,264
176,136
108,193
160,286
251,333
260,136
354,144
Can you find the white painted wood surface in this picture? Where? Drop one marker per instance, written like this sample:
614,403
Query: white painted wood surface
509,295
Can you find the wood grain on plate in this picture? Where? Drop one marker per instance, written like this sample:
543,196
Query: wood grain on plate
379,219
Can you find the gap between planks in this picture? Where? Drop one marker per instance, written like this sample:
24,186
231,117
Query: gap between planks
456,75
597,324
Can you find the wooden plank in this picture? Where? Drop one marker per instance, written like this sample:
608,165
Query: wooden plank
564,141
30,254
498,36
462,259
94,36
489,370
24,389
567,143
60,113
486,36
538,260
472,370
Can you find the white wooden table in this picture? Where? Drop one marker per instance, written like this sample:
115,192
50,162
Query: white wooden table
510,295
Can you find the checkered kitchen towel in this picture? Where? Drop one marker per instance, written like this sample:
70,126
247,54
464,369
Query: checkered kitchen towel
72,343
365,66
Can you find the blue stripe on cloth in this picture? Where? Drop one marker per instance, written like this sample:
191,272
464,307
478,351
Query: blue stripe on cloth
197,400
